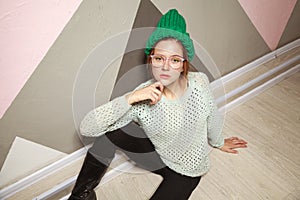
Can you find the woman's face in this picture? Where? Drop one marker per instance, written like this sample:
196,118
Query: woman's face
166,74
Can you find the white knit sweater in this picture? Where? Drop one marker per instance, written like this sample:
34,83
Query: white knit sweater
180,129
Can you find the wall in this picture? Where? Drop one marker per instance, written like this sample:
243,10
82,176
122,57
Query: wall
42,111
27,30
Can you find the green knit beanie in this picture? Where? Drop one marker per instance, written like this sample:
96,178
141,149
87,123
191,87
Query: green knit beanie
171,25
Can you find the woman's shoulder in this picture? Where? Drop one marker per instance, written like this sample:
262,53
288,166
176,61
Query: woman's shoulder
198,77
200,83
144,84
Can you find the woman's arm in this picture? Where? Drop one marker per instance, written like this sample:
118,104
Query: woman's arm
119,112
152,92
107,117
214,118
215,122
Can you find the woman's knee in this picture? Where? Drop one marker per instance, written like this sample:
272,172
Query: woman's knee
103,148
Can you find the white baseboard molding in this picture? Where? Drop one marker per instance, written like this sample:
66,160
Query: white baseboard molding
40,174
56,166
126,166
222,100
256,63
259,89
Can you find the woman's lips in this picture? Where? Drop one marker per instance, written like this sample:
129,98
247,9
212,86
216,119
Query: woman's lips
164,76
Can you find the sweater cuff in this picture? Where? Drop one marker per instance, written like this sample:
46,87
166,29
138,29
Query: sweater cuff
219,143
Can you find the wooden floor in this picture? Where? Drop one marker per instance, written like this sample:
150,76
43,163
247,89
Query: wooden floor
268,169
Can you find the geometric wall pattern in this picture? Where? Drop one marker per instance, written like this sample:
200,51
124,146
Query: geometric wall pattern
269,17
40,108
27,31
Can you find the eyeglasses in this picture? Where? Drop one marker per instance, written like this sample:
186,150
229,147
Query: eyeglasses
175,62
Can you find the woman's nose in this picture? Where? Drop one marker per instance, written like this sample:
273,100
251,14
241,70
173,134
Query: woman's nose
166,65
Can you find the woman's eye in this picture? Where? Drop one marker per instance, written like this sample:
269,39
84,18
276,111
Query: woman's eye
158,58
175,60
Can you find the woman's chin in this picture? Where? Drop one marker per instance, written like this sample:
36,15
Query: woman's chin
164,82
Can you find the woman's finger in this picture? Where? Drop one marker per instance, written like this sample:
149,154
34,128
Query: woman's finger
158,85
155,96
229,150
239,146
238,142
157,92
232,151
234,138
152,99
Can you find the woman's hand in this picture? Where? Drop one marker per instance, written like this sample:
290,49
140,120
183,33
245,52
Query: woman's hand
230,144
152,92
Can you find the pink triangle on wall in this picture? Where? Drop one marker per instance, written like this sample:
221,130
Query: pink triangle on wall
269,17
27,31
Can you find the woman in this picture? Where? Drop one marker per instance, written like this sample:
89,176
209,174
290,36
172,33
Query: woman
175,109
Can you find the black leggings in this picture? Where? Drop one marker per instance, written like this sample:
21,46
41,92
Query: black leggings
134,143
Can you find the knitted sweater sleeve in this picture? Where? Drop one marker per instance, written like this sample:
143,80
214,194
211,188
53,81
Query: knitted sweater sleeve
110,116
107,117
215,124
215,119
